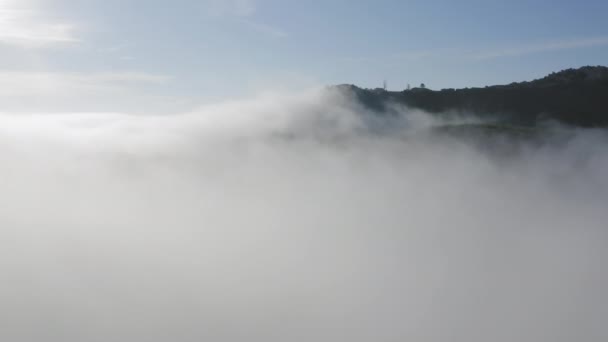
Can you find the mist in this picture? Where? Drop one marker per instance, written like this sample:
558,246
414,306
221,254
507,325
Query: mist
298,218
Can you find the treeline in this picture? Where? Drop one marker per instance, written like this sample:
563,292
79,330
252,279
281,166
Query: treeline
574,96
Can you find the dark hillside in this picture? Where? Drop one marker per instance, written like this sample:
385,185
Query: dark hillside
574,96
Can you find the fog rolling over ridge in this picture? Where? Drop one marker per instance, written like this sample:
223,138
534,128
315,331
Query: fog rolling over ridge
298,218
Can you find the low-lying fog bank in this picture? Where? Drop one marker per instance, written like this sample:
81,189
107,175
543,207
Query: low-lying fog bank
298,218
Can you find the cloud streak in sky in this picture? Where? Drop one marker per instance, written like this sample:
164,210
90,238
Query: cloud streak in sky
23,25
34,91
27,84
528,49
481,54
245,13
238,8
265,29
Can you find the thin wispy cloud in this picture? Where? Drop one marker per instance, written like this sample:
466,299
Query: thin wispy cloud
528,49
244,11
266,29
25,83
100,91
399,57
237,8
23,25
481,54
244,8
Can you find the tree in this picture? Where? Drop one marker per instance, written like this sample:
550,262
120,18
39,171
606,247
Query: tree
422,85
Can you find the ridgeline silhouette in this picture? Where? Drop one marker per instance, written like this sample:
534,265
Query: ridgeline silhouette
574,96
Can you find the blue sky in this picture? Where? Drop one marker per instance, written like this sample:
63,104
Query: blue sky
115,55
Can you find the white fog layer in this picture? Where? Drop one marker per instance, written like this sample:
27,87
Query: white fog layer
297,218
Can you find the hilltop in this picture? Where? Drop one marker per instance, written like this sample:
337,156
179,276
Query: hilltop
574,96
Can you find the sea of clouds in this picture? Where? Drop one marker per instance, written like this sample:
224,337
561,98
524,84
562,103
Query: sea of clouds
298,218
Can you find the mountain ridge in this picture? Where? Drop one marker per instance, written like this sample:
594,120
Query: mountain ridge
577,97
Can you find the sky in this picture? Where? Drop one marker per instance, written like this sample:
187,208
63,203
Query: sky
161,56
